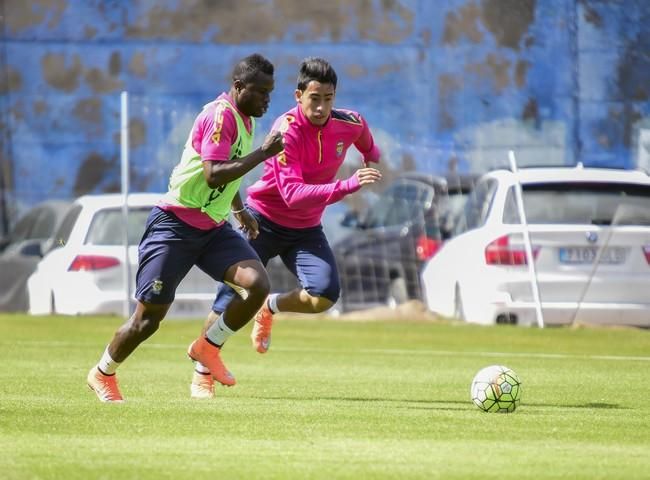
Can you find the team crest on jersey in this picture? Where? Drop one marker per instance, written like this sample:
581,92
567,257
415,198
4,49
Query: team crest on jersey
157,286
339,149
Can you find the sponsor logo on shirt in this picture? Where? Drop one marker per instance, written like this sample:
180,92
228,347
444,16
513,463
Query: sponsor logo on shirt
218,123
339,148
286,121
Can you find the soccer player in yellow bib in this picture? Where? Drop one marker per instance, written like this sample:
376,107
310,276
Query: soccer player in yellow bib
189,227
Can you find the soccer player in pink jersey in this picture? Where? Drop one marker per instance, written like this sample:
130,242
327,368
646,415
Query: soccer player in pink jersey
190,227
297,184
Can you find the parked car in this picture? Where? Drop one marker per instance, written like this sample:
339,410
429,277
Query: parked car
23,247
590,240
379,262
85,274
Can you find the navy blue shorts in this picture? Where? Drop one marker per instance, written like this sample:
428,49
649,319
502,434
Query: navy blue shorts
170,247
304,251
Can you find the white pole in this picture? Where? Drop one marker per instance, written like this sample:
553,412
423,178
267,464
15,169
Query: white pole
124,157
527,243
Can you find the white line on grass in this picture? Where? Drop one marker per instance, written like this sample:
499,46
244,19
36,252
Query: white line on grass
375,351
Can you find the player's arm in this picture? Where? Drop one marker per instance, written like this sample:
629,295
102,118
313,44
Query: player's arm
298,194
237,204
220,173
220,135
247,222
366,144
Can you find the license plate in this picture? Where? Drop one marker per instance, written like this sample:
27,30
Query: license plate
586,255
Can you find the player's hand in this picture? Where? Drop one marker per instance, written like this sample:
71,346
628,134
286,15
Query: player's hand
273,144
247,224
367,176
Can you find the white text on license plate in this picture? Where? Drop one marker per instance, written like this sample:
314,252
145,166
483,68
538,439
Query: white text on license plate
581,255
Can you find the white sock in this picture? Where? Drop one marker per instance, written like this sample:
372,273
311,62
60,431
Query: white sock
106,364
199,367
273,302
219,332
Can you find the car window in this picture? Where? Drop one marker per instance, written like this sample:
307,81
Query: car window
45,224
402,202
581,203
23,229
107,226
452,211
477,206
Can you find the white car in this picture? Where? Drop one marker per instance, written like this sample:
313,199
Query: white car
85,273
589,231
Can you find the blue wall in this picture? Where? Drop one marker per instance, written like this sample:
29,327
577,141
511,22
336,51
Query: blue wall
559,81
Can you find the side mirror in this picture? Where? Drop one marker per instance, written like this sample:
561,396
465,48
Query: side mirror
32,248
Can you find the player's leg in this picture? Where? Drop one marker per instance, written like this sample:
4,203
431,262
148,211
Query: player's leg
266,245
231,260
313,262
163,262
272,240
311,259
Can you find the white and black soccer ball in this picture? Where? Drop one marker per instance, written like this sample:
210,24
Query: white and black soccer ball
496,389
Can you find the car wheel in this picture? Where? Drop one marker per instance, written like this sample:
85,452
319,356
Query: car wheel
397,293
459,312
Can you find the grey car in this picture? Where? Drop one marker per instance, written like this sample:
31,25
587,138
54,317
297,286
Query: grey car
22,249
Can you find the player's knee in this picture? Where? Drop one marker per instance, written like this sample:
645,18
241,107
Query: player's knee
148,326
260,286
145,322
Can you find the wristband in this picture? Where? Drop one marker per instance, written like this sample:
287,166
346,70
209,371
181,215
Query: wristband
237,211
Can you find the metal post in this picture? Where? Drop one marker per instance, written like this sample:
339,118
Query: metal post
124,157
527,243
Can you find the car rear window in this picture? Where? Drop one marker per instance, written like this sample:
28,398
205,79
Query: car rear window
402,202
107,226
582,203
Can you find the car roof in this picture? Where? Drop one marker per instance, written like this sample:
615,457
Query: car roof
571,174
111,200
451,180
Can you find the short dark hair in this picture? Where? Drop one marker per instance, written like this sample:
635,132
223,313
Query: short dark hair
248,67
318,69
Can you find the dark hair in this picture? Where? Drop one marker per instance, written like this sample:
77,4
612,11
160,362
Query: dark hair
314,68
248,67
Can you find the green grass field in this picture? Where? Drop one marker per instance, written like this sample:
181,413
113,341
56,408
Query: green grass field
331,400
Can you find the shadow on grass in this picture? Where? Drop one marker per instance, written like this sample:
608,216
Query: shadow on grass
591,405
402,402
429,404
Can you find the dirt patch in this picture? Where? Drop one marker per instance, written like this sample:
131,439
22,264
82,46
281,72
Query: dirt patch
412,311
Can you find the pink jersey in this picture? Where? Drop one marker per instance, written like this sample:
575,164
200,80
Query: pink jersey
298,183
212,137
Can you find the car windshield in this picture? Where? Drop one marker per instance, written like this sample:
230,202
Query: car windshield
107,227
581,203
399,204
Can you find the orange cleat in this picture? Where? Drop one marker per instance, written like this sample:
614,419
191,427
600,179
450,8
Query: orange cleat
105,386
202,385
201,350
261,334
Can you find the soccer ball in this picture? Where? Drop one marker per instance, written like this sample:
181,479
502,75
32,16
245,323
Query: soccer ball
496,389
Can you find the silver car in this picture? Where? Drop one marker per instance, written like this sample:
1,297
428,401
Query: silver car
589,231
85,275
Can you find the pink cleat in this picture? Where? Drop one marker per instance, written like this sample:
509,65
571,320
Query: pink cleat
105,386
201,350
261,334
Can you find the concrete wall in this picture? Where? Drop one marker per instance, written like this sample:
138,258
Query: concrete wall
440,81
